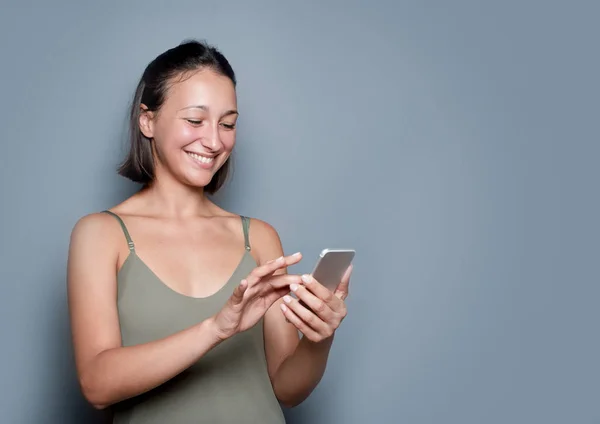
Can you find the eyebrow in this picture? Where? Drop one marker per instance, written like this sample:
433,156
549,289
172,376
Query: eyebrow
205,108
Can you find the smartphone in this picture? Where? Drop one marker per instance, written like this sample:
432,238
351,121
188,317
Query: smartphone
331,266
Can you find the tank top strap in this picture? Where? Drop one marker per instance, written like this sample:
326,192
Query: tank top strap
246,226
127,236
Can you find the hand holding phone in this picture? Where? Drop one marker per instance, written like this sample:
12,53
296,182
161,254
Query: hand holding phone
331,267
330,275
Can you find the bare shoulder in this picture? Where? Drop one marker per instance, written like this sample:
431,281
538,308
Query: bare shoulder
263,231
265,240
99,228
96,241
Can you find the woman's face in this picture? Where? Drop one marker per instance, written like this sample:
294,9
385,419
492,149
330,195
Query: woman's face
194,130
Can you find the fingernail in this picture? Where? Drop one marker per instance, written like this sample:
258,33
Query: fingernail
287,299
294,287
283,307
296,254
306,278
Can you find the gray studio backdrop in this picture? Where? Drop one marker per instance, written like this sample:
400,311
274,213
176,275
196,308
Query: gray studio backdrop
452,144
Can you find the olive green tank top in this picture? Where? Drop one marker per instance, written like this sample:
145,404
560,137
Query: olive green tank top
228,385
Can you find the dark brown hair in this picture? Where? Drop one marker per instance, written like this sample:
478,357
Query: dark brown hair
175,63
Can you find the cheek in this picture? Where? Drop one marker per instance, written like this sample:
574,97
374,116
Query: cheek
174,137
183,134
228,140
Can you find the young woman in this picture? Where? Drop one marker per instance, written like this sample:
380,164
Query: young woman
180,310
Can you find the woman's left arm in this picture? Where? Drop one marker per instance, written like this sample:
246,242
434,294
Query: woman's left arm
300,373
297,365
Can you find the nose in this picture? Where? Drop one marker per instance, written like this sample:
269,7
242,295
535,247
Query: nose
212,138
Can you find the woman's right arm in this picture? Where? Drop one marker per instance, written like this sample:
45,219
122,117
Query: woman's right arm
109,373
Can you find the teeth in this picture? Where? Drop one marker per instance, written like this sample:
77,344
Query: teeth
200,158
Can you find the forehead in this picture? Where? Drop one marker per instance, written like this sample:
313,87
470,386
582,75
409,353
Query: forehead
206,88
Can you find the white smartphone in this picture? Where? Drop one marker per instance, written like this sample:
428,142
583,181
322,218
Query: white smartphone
331,266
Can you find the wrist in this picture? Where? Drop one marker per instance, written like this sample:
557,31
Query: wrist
210,327
323,345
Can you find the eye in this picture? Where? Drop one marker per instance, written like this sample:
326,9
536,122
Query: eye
195,121
228,126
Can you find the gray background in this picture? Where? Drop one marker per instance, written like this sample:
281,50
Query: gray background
452,144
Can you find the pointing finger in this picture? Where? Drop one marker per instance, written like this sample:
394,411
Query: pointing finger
238,292
272,266
283,281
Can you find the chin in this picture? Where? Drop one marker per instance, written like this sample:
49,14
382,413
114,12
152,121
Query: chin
199,175
197,182
198,178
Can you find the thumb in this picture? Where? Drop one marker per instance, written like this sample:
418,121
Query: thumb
238,292
342,289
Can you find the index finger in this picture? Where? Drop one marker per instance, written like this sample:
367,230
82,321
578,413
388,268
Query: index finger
320,291
274,265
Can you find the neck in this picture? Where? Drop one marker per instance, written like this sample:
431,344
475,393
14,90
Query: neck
168,198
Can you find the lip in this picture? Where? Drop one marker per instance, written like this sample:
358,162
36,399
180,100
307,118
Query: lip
198,163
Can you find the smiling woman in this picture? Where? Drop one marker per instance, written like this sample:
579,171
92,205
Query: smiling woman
204,75
180,310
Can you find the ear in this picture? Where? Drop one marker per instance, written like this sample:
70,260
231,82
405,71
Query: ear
146,121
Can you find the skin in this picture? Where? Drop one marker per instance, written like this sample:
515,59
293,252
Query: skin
166,221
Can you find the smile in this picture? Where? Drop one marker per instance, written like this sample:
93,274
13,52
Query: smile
201,159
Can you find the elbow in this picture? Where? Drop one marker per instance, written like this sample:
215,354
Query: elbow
93,393
289,402
98,406
289,399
